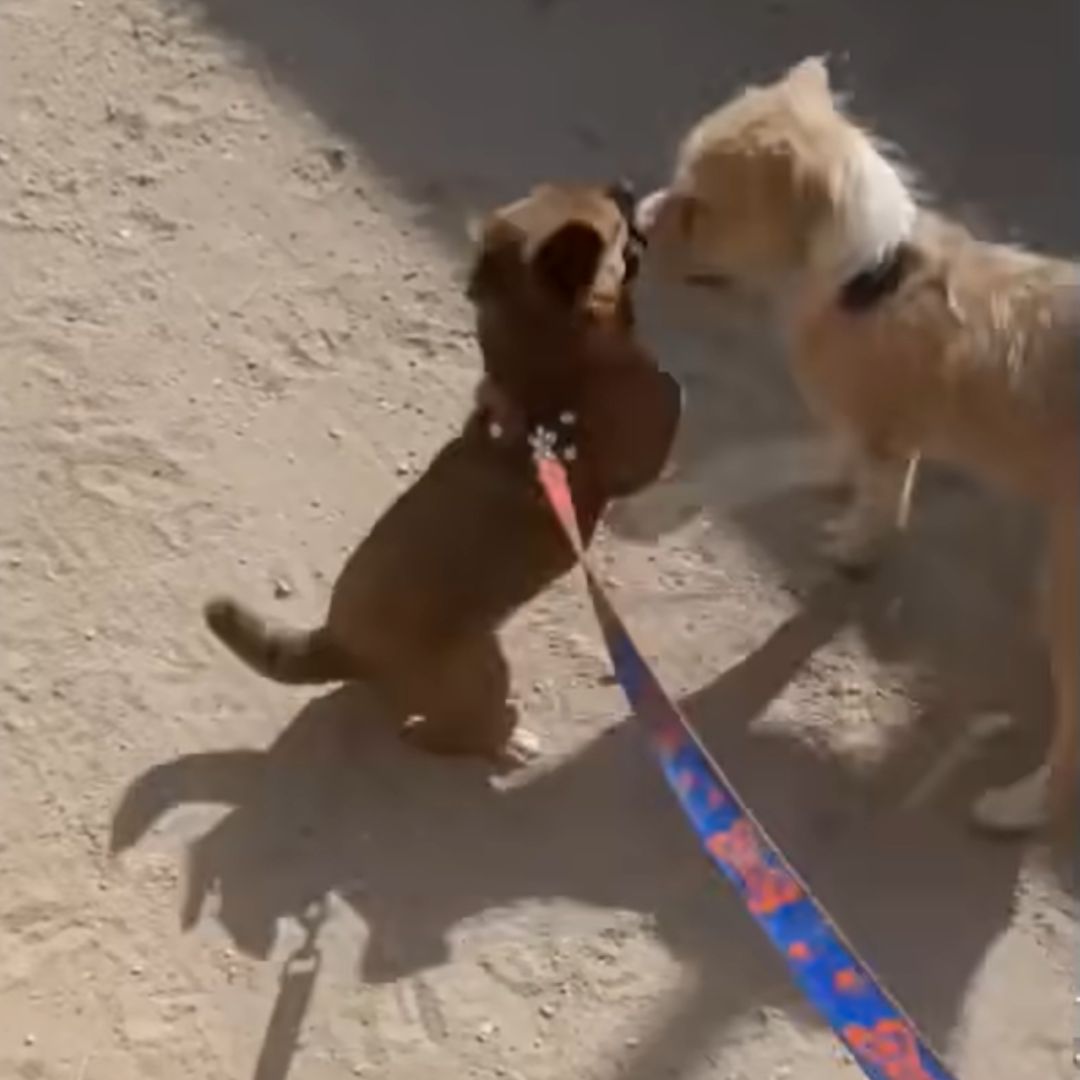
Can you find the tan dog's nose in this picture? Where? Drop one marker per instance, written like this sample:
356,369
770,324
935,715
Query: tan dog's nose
648,210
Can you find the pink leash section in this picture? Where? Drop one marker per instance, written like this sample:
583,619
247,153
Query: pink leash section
867,1020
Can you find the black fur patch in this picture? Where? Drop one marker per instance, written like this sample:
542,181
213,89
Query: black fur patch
869,287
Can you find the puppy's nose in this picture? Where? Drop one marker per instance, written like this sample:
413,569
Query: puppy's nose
621,193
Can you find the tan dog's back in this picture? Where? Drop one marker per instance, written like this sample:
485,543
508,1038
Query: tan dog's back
975,360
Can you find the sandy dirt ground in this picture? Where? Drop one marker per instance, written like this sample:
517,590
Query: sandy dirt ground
231,251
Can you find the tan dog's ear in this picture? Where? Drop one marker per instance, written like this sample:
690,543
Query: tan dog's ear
567,262
810,76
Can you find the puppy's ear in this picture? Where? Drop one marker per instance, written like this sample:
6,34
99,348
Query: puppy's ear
497,265
810,76
567,262
632,415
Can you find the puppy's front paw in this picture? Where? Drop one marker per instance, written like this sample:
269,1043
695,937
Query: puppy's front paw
1018,808
522,749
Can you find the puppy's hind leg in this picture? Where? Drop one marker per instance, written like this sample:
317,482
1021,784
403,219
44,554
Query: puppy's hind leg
462,698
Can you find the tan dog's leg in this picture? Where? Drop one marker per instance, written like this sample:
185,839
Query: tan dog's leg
857,538
1019,807
1050,791
461,697
842,466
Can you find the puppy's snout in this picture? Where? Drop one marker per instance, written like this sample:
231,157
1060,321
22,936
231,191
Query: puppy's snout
621,193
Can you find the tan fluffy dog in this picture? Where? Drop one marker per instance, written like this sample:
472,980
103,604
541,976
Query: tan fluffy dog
908,337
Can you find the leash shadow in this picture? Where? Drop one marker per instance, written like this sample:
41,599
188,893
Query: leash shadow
299,974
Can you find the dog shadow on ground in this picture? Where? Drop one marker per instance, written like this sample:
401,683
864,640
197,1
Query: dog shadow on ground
337,805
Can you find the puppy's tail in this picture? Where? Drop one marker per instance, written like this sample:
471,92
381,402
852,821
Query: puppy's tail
284,655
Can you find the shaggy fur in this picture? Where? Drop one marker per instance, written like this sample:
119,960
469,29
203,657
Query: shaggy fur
416,608
972,355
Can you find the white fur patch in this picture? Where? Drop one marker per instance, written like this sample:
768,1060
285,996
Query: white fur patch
874,212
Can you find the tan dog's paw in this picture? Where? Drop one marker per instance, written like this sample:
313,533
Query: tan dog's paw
1017,808
855,542
858,539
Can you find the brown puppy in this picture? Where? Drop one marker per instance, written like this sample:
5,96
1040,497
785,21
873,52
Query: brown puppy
908,337
417,606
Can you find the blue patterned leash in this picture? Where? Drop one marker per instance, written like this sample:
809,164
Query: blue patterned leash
867,1020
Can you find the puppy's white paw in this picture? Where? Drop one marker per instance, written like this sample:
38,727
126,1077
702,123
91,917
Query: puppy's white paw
523,748
1018,808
